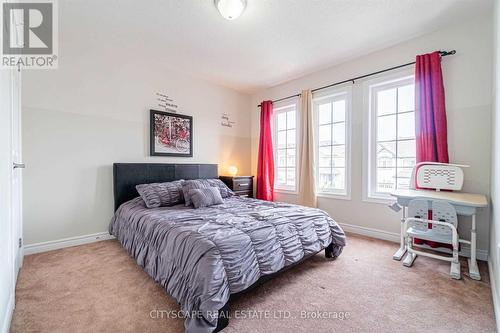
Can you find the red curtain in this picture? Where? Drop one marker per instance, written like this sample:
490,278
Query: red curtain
430,117
265,166
430,112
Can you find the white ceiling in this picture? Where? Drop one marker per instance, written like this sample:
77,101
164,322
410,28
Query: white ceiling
272,42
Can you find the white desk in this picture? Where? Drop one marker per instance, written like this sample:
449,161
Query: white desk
466,204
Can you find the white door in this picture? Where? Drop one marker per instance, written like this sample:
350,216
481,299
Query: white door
17,167
10,192
6,255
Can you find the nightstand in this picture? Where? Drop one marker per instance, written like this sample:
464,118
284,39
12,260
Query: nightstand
240,185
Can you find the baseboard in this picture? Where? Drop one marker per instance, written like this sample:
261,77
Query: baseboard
494,294
8,314
370,232
480,254
394,237
65,242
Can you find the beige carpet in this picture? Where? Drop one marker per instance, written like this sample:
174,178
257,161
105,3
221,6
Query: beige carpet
99,288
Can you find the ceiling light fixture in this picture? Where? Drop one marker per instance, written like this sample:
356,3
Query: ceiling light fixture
230,9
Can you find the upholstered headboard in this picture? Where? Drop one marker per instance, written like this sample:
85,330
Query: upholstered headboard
127,175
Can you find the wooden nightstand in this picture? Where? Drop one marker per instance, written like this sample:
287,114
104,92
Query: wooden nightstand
240,185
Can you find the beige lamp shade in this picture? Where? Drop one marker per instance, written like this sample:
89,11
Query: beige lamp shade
232,170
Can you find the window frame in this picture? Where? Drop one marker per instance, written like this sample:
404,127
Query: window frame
280,107
332,95
387,81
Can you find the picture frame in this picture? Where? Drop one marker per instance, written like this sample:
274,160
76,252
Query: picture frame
170,134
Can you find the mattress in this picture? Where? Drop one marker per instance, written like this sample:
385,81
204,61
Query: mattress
202,256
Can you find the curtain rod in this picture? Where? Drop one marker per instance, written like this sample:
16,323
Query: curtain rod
442,53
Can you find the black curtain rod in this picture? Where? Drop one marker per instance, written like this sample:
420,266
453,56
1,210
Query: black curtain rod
442,53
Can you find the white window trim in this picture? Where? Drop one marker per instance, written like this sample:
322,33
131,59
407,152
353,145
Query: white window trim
327,94
369,132
277,107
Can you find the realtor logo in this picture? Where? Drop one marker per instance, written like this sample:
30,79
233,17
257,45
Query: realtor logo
29,34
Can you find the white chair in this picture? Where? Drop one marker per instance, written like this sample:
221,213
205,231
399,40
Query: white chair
441,228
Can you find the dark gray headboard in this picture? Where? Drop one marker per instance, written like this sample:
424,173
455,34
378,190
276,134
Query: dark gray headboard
127,175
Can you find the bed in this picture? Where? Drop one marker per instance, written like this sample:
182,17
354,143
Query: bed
206,257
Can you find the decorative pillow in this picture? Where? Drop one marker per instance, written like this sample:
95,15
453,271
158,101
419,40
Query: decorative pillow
161,194
205,197
187,185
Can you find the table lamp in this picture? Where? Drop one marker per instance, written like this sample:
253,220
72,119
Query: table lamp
232,170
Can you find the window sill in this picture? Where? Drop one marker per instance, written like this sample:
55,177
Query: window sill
383,200
334,196
285,191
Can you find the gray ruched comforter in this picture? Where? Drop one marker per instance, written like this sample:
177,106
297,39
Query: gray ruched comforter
201,256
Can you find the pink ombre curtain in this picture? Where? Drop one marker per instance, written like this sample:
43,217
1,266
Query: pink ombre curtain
265,164
430,113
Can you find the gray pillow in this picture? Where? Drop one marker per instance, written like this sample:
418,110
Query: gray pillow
205,197
187,185
161,194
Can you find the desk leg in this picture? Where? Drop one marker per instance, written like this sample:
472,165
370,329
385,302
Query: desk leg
473,269
402,246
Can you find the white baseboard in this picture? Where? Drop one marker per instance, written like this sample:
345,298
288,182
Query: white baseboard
8,314
370,232
494,294
65,242
394,237
480,254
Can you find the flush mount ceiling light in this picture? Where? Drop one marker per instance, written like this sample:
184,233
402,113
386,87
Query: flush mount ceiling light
230,9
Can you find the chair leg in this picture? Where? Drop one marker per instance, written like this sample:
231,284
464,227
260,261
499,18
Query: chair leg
410,257
455,270
455,264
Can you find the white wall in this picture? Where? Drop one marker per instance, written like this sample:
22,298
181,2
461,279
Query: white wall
467,77
495,174
93,111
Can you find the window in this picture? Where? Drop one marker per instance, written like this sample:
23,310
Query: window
392,148
332,142
285,145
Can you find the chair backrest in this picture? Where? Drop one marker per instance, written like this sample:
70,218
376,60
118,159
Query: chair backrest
438,176
445,212
418,208
441,211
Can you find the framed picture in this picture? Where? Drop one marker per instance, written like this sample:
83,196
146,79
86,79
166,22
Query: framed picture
171,134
